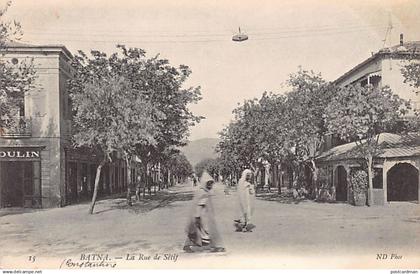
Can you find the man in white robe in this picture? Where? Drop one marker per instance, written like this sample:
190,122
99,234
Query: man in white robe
246,198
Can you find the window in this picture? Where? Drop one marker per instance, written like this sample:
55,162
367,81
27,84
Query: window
377,178
375,81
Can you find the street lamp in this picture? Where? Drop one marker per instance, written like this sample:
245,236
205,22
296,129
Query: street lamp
239,37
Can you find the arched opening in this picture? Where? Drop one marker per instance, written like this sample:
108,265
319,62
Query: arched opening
341,189
403,183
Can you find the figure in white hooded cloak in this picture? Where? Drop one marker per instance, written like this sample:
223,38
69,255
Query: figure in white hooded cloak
246,198
202,232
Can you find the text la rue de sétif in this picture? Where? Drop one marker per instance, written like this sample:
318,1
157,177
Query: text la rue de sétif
131,257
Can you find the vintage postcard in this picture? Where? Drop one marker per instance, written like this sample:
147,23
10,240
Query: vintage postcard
209,134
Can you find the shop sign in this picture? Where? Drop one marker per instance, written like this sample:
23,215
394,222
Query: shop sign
20,154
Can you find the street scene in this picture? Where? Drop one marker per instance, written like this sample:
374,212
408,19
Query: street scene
282,238
209,134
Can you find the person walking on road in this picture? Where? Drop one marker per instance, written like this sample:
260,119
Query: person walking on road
246,199
202,232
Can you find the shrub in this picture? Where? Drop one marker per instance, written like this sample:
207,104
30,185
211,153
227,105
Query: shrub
358,184
359,181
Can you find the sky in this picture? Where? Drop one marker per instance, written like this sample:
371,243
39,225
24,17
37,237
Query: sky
326,36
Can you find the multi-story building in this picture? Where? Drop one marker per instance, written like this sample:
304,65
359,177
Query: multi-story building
384,69
38,166
398,163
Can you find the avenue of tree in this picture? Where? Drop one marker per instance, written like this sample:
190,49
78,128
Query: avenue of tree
289,130
128,105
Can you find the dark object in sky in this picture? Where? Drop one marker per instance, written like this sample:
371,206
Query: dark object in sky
239,37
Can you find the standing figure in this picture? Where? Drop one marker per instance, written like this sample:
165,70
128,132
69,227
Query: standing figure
246,197
138,187
202,232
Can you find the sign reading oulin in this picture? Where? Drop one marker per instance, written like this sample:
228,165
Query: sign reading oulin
15,154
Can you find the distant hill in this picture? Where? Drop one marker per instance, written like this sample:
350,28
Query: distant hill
200,149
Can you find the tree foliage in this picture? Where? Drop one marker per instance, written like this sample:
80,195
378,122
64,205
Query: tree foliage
411,73
131,104
209,165
16,78
279,128
361,114
179,165
290,129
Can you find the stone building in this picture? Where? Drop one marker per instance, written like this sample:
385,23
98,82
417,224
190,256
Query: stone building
398,163
396,168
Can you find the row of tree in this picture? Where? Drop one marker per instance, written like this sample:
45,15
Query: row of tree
124,105
290,129
134,106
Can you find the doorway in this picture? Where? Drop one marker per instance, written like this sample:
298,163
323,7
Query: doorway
403,183
341,190
19,184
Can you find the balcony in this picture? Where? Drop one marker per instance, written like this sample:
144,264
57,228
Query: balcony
20,127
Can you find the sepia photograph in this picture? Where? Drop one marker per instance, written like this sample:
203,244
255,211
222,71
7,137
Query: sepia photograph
253,134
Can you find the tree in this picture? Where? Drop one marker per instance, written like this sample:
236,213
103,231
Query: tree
9,30
273,133
110,116
209,165
179,166
411,74
162,86
159,88
361,114
306,105
16,78
238,140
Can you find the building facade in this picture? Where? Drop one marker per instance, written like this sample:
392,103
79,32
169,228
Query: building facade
397,166
384,69
38,166
396,169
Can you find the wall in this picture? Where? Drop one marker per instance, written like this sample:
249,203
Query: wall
368,68
392,77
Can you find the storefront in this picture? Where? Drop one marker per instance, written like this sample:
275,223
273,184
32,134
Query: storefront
20,177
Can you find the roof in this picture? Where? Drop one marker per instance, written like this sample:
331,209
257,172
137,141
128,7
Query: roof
11,46
390,146
409,48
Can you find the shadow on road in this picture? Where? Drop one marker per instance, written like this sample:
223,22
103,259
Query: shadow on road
149,203
283,198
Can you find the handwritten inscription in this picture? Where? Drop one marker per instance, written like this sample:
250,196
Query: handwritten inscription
103,260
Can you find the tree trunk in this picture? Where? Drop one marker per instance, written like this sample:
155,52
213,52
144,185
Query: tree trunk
294,180
290,174
370,180
274,173
129,183
280,178
95,191
158,177
315,178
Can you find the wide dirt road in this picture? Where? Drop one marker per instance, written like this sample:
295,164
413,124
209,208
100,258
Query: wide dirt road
151,233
